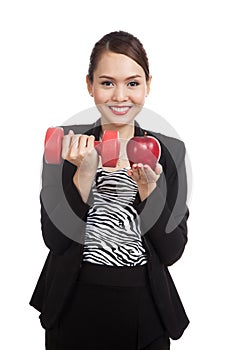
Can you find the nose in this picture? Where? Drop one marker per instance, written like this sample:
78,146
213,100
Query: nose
120,94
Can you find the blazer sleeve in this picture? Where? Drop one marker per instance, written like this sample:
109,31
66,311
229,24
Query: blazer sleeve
63,212
164,213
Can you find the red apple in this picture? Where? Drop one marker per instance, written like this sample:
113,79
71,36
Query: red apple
143,149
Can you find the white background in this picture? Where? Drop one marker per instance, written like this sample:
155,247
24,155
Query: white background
45,48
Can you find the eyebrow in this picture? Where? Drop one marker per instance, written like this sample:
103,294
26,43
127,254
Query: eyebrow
128,78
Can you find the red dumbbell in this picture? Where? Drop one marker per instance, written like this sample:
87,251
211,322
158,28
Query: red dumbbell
108,148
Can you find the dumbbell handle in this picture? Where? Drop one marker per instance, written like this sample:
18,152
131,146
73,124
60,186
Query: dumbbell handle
108,148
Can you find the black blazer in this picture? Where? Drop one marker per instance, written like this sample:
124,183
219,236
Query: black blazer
163,218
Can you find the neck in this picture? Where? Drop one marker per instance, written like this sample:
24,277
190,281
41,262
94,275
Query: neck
126,131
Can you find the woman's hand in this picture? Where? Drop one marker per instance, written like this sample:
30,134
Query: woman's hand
145,178
80,151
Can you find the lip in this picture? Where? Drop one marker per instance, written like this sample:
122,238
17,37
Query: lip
120,110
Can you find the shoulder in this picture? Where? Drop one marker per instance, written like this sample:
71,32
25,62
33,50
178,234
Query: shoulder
172,153
170,146
168,141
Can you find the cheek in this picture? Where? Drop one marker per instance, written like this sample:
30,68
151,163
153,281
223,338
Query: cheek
101,96
139,97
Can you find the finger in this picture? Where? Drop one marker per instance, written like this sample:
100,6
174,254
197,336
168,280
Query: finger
66,142
148,170
74,146
82,143
158,169
150,174
141,175
141,171
135,173
91,142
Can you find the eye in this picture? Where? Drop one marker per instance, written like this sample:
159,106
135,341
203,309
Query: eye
107,83
133,83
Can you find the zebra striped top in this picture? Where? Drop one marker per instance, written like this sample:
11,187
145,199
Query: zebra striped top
113,234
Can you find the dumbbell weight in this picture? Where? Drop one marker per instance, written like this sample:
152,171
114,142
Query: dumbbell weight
108,148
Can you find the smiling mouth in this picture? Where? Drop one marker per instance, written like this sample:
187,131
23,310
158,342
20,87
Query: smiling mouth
120,110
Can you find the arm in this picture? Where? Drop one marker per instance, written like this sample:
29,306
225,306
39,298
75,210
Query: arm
65,192
164,212
63,212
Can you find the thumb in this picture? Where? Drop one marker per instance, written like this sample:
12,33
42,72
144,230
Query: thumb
158,169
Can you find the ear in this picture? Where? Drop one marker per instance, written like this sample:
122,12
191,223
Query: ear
148,85
89,85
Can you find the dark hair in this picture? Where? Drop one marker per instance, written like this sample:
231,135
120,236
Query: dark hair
119,42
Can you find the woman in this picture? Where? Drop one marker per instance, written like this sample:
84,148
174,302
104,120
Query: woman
112,232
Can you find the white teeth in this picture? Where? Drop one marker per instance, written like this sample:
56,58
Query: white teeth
120,109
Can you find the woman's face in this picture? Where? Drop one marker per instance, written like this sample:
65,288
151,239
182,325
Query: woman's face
119,88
